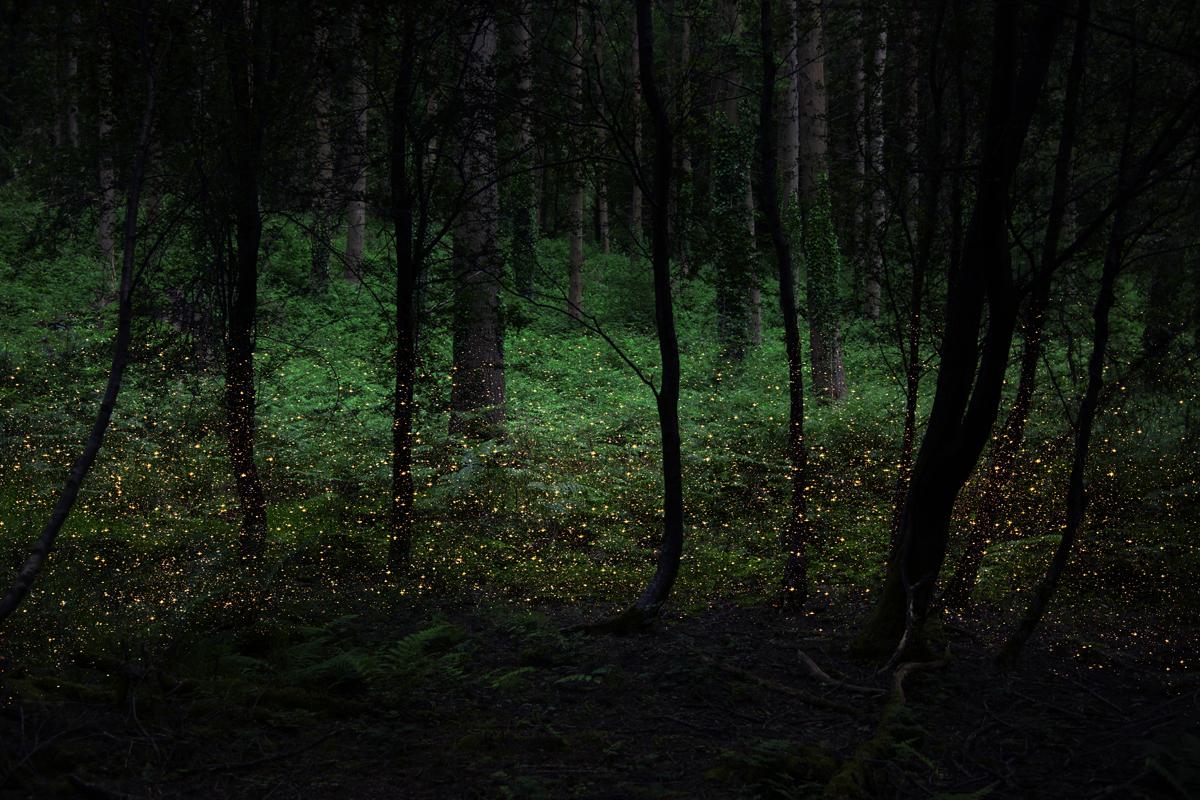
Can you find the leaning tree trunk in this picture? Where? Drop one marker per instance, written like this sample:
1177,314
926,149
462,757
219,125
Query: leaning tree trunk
797,539
477,386
970,378
23,582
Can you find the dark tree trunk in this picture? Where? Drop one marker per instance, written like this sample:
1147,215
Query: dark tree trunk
407,273
23,582
240,401
797,539
970,378
659,196
1008,444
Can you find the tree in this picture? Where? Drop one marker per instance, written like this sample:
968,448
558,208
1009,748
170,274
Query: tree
477,388
522,189
322,204
244,40
105,121
797,539
578,184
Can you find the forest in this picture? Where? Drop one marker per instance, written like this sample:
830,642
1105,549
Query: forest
598,399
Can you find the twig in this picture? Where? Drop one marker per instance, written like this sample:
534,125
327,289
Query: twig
903,671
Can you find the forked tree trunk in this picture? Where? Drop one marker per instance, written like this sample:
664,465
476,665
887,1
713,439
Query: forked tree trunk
797,538
477,386
23,582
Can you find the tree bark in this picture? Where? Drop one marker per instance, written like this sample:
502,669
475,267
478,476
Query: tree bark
874,61
797,537
524,183
477,386
635,194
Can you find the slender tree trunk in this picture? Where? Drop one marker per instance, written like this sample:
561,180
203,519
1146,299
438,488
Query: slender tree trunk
407,274
23,581
824,337
754,290
635,194
477,387
356,204
797,538
970,378
1007,446
874,60
240,400
323,186
599,168
525,183
789,142
107,175
72,78
671,551
578,184
1077,496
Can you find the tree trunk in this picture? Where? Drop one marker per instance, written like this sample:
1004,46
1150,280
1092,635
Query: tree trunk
578,185
821,257
789,142
524,184
107,175
874,60
356,203
669,554
407,274
970,379
23,582
477,387
635,194
240,400
323,185
797,538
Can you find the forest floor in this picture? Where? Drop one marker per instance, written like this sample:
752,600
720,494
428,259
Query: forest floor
494,701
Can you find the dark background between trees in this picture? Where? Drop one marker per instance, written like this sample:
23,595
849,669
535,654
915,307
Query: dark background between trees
421,371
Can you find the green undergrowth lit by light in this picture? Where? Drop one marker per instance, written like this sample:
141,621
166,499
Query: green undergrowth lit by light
564,509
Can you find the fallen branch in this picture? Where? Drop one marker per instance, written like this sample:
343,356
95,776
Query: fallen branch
824,677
